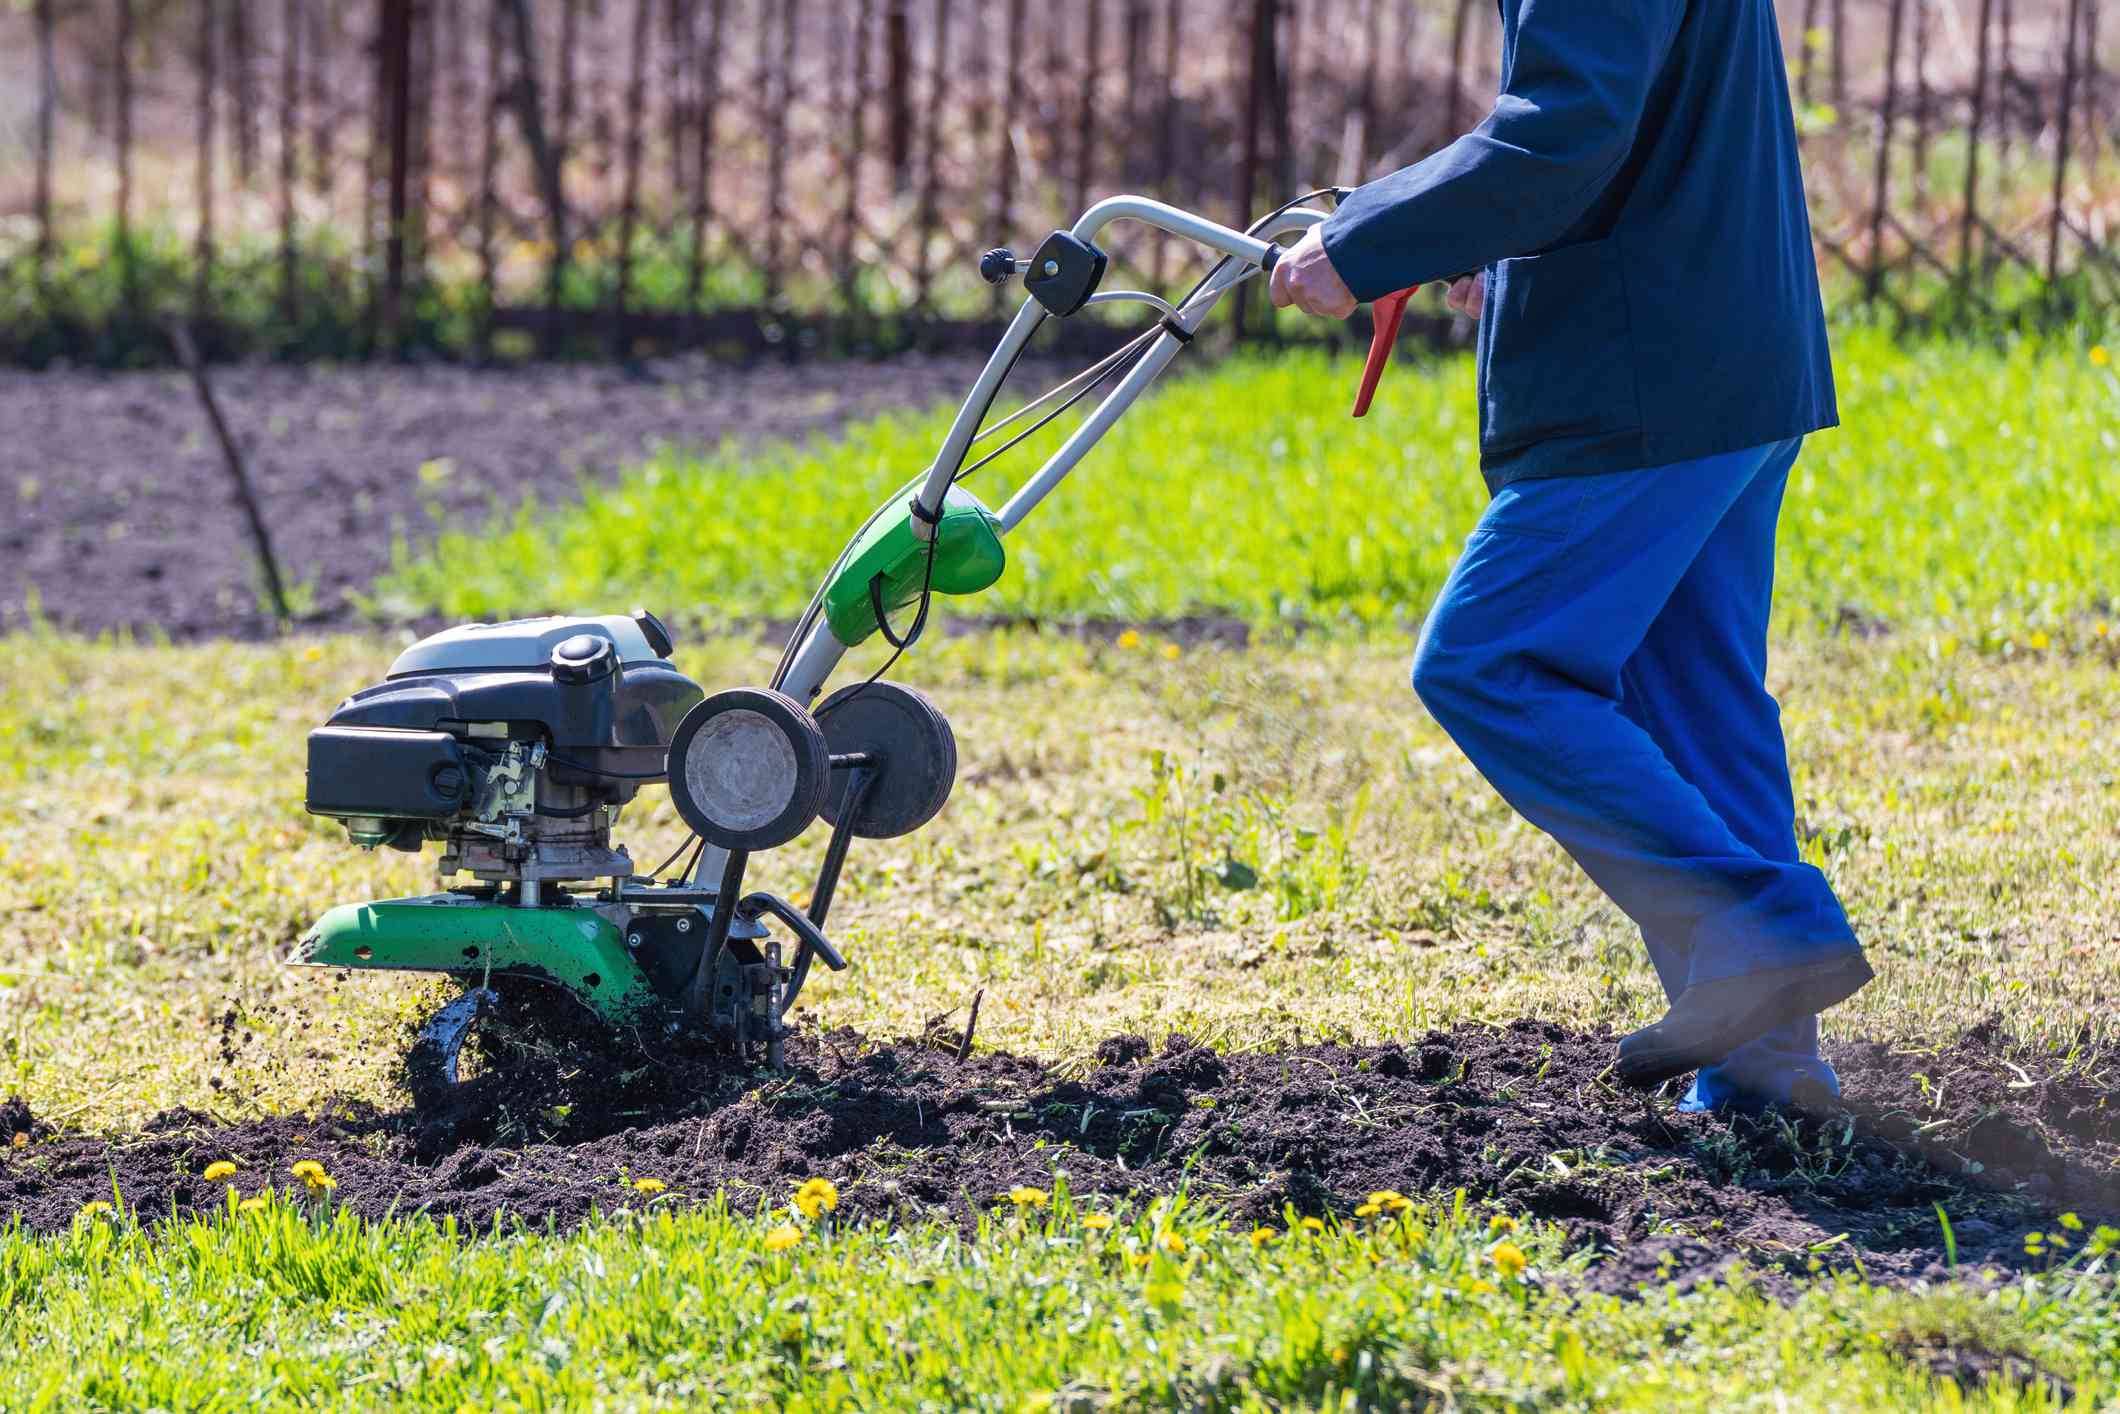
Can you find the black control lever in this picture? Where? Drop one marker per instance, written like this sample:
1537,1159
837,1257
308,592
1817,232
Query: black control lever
999,265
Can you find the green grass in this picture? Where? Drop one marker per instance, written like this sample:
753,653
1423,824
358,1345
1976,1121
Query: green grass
1969,491
1257,847
1169,1308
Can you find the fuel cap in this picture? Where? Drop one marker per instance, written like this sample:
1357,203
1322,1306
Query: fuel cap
583,658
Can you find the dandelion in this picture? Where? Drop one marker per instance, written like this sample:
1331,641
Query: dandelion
817,1195
1508,1259
1312,1224
1026,1197
1172,1243
304,1168
96,1208
319,1182
1477,1287
1398,1203
220,1169
254,1205
1130,640
2072,1222
649,1186
1369,1210
1384,1197
1097,1222
2099,357
781,1238
1170,651
1260,1236
1501,1223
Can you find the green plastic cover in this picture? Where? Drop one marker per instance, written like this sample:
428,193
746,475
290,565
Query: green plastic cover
968,558
575,947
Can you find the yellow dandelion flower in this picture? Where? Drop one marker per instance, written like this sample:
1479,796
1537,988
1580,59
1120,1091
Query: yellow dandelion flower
303,1168
1508,1259
319,1182
2072,1222
1172,1243
96,1208
312,654
1170,651
1369,1210
1312,1224
1097,1222
1398,1203
1260,1236
1477,1287
781,1238
650,1186
220,1169
818,1195
1026,1197
254,1205
2099,357
1501,1223
1130,639
1384,1197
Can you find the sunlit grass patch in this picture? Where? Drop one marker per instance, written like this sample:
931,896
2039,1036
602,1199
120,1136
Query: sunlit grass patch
1969,489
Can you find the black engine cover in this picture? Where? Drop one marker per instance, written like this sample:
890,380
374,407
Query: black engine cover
621,722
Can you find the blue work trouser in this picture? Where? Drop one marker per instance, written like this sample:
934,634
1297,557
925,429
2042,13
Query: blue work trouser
1600,652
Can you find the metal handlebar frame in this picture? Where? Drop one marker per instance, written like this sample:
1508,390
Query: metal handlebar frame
820,653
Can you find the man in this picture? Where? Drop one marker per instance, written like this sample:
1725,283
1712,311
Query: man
1652,351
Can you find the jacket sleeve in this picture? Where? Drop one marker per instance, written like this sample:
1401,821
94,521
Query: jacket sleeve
1579,77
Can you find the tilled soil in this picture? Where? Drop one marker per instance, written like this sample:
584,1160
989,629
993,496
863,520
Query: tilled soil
1525,1117
117,511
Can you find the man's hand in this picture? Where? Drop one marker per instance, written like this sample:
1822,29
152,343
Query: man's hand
1468,294
1304,277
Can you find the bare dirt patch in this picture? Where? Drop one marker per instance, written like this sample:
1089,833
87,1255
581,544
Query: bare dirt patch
116,509
1524,1117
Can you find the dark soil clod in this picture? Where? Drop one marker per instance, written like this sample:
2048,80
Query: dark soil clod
1524,1117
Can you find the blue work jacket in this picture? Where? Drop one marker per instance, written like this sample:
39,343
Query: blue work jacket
1635,200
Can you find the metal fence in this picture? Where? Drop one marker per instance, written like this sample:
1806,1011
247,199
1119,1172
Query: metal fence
744,173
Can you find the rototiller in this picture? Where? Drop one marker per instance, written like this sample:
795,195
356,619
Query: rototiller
516,745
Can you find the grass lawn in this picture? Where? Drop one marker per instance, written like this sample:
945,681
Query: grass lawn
1258,847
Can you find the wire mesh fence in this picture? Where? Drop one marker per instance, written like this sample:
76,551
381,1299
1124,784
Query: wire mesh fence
348,177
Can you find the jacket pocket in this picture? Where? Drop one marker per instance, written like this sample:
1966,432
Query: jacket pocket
1559,356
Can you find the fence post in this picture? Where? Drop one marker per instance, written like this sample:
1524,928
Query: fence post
1167,125
1366,111
898,81
1808,50
394,77
925,218
856,118
703,169
47,107
128,268
1921,96
324,122
629,190
1453,122
1263,19
2061,144
782,93
290,98
1873,281
488,170
1086,110
1970,215
202,248
245,90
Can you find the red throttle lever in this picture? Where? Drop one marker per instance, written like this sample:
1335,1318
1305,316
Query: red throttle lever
1386,313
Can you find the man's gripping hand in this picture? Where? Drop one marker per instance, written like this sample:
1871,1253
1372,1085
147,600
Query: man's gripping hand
1304,277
